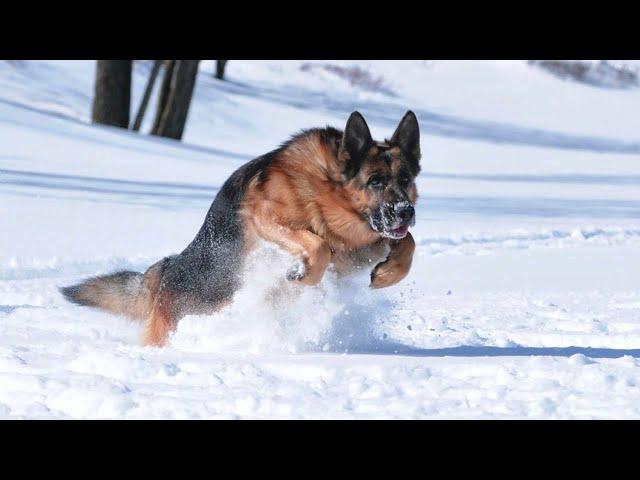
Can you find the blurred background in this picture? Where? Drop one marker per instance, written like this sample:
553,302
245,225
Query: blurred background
180,98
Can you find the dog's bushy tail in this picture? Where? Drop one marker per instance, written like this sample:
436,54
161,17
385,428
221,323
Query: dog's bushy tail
122,293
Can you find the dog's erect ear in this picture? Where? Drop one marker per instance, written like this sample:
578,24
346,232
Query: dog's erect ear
407,135
356,142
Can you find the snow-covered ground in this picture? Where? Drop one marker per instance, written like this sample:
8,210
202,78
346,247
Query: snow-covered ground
524,297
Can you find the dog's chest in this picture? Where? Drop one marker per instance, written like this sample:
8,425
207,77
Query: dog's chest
361,259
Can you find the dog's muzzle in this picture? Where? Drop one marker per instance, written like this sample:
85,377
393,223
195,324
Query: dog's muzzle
393,220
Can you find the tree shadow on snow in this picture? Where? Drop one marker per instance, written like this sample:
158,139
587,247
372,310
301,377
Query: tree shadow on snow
432,122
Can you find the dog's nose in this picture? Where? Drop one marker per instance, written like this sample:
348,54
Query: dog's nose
405,213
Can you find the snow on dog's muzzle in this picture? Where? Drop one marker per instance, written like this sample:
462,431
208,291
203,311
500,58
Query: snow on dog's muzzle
396,219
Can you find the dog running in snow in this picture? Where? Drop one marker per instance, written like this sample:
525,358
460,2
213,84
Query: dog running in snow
325,196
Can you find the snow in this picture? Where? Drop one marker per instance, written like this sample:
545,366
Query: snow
523,300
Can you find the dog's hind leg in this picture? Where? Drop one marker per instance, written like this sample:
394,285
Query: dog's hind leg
313,251
162,315
161,322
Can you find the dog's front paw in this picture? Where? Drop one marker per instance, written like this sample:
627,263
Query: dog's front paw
387,273
296,272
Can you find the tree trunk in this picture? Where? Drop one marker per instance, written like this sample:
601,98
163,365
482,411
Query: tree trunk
112,97
173,118
163,95
220,66
147,94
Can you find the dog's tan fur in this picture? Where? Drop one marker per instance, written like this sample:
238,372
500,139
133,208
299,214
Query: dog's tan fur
304,207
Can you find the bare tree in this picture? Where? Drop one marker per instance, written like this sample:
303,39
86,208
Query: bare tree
163,95
112,97
175,99
220,66
147,94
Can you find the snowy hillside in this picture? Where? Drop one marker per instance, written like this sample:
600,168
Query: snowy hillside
523,300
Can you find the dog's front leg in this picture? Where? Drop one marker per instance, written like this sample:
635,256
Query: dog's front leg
397,264
315,257
313,252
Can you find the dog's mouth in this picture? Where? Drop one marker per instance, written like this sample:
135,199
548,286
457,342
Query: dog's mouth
398,233
392,233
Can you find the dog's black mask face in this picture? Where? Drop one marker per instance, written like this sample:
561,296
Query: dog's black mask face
381,175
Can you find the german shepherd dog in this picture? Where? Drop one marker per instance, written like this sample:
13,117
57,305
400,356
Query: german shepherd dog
325,196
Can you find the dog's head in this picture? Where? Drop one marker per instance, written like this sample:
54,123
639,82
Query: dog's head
380,176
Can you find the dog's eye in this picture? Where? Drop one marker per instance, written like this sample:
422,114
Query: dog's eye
404,182
375,181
